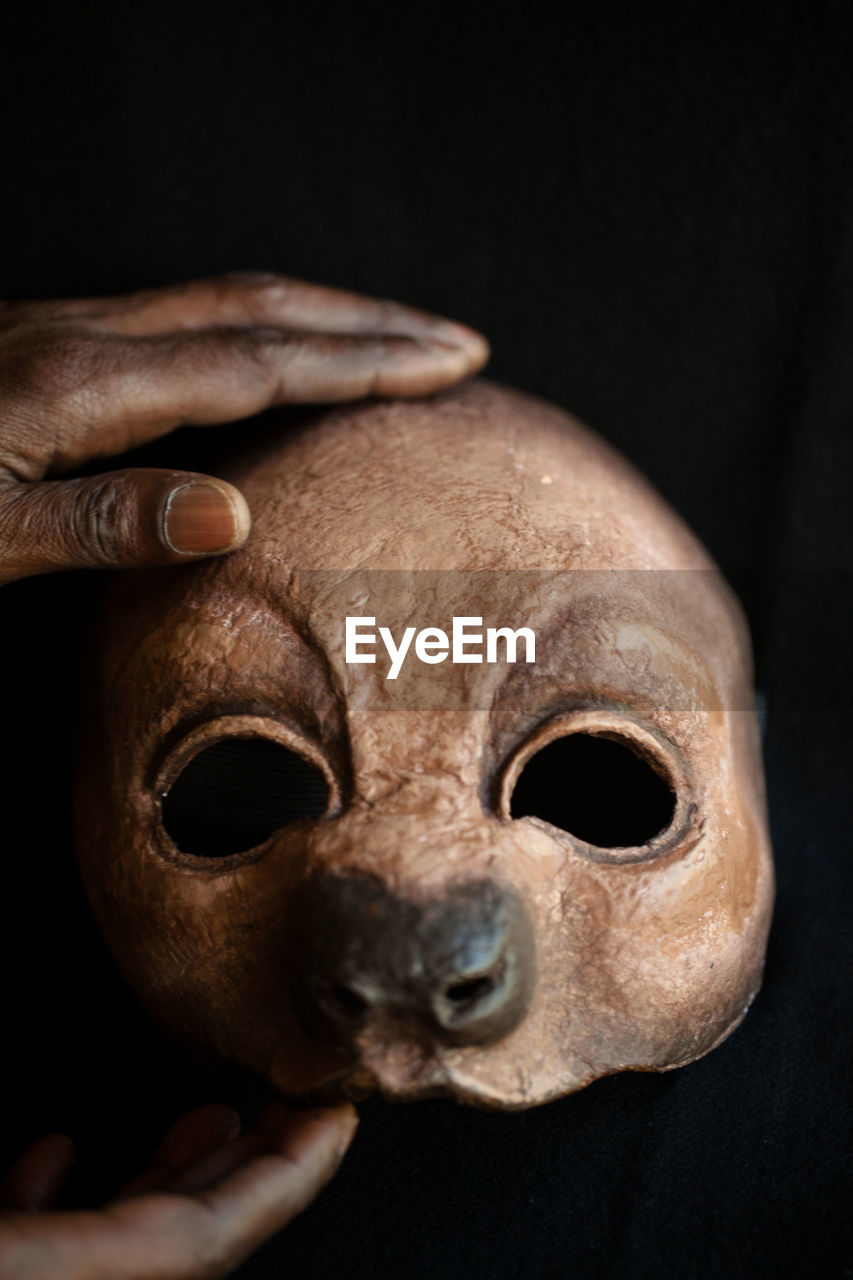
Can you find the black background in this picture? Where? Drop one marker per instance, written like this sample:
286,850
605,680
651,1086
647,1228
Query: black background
649,210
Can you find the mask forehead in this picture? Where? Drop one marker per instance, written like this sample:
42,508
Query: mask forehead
477,478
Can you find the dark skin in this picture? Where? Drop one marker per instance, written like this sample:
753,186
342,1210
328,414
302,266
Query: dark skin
90,378
84,379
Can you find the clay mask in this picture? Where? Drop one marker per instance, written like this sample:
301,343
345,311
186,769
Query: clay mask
496,879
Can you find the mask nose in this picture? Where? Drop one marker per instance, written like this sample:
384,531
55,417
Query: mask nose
458,970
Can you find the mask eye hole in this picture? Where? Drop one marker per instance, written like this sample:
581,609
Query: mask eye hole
233,795
599,789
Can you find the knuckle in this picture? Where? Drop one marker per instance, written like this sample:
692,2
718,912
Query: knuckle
386,346
391,311
23,440
255,345
54,363
52,387
101,527
262,290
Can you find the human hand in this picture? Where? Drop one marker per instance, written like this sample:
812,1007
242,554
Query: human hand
207,1200
88,378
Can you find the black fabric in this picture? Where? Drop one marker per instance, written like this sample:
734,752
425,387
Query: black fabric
649,210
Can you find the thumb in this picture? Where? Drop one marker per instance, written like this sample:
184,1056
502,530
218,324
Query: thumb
119,519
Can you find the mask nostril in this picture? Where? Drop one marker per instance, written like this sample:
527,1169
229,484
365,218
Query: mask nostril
464,992
473,991
346,1002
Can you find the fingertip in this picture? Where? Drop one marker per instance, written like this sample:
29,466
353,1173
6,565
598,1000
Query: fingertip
417,366
205,516
313,1127
474,344
348,1123
242,514
481,352
340,1115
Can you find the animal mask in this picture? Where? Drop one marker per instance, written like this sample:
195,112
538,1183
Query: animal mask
523,849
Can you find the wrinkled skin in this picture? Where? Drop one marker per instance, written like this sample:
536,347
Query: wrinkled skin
646,956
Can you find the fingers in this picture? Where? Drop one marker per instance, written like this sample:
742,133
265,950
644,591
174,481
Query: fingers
217,375
204,1147
197,1133
263,299
38,1175
267,1193
216,1163
183,1237
90,378
205,1236
82,395
137,518
191,1138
